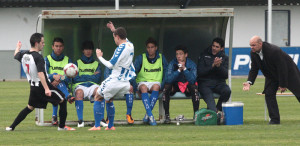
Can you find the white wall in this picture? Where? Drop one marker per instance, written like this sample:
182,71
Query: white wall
250,21
19,23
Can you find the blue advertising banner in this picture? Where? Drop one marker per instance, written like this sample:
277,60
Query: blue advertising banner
241,61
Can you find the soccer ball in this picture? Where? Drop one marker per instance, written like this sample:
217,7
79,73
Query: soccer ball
71,70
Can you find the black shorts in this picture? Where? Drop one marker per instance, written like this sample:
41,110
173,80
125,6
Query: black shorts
38,98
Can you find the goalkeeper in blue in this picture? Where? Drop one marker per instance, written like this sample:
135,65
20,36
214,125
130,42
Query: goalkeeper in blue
117,83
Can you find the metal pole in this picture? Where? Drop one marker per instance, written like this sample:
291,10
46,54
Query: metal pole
269,21
117,4
230,53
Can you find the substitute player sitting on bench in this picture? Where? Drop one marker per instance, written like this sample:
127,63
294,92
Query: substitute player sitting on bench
55,63
181,76
87,80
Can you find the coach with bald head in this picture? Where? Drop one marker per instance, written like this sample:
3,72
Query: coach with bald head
280,71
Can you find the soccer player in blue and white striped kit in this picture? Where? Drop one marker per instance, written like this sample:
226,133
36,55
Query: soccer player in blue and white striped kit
117,84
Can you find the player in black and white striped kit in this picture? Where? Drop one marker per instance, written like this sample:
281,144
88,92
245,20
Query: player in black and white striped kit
41,90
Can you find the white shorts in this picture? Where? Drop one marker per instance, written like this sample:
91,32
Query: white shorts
148,84
87,91
112,87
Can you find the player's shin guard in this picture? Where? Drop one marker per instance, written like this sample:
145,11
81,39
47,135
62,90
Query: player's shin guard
129,103
153,99
111,113
98,112
79,109
54,111
22,115
62,113
145,99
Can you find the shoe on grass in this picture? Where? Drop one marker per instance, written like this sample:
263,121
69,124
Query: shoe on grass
129,119
66,128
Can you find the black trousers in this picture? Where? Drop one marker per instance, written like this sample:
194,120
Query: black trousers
192,91
271,87
207,94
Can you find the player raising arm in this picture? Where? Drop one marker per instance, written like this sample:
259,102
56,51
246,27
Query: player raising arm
117,84
41,90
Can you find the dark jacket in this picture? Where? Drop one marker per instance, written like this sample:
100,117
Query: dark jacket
189,75
207,73
280,67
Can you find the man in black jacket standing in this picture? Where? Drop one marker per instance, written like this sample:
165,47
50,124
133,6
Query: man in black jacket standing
280,71
212,73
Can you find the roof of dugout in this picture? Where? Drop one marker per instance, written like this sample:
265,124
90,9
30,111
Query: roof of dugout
179,3
194,28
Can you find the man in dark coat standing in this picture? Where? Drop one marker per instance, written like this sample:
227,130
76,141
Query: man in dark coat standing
280,71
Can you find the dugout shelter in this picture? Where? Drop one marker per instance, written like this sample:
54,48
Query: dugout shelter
194,28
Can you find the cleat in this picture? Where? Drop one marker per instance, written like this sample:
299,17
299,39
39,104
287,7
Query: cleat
95,128
66,128
54,120
146,119
80,123
112,128
152,121
220,118
9,129
129,119
103,123
167,120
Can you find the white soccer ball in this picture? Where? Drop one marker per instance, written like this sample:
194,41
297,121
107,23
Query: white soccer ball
71,70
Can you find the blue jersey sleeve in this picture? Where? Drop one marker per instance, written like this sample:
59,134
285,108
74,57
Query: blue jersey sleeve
117,54
47,64
191,73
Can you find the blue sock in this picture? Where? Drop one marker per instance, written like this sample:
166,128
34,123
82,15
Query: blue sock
98,112
145,99
102,109
63,88
129,103
54,110
106,111
111,113
79,109
153,99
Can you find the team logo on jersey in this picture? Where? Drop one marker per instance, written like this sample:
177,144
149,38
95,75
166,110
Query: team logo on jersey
56,68
26,58
152,70
87,70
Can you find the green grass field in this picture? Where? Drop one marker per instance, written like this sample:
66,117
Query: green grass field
255,131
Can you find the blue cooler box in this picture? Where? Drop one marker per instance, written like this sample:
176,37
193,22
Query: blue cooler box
233,113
